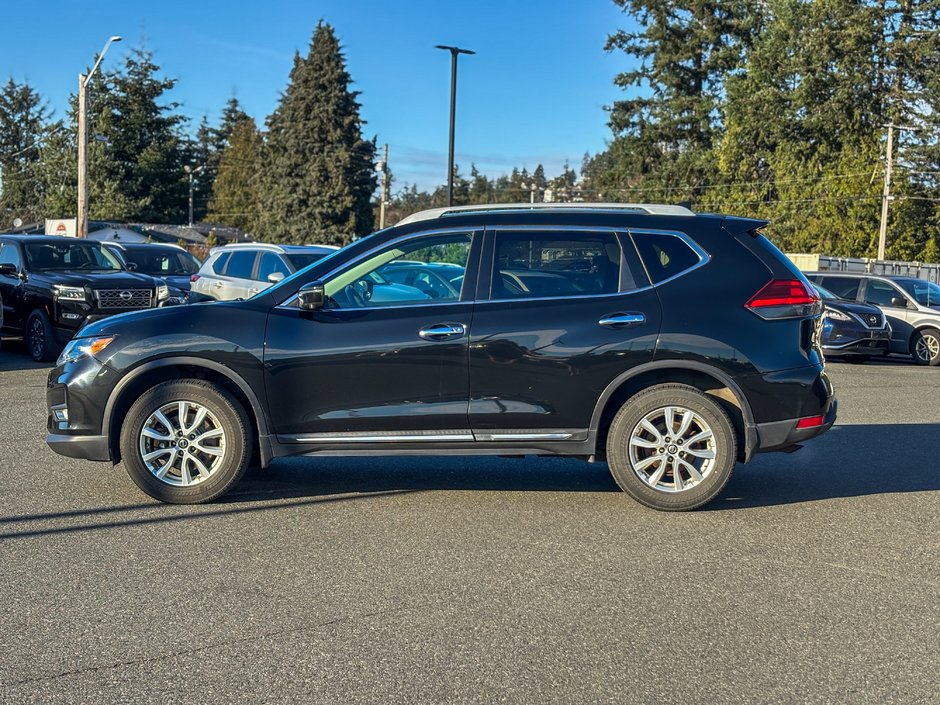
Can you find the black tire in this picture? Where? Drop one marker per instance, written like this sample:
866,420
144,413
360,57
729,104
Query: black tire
223,411
691,494
39,337
925,346
856,359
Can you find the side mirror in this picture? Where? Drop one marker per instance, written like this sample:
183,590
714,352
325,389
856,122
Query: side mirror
275,277
899,302
131,266
312,296
8,269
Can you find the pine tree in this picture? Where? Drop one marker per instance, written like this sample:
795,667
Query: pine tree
24,126
319,175
235,199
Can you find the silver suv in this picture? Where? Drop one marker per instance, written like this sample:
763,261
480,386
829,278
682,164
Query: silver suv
911,305
241,271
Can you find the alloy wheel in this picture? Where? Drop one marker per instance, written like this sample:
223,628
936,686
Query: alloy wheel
672,449
927,348
182,443
37,338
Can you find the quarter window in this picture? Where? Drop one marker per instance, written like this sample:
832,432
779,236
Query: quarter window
664,255
219,265
535,265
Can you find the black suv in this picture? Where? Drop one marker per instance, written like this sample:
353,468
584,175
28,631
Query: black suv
669,344
51,286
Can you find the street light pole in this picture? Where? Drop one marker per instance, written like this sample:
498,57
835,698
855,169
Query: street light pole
454,52
192,172
81,225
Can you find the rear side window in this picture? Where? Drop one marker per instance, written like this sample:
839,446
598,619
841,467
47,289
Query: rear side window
843,287
534,265
664,255
218,266
240,265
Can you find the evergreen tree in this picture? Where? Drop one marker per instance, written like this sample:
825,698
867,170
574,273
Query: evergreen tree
319,175
235,190
24,126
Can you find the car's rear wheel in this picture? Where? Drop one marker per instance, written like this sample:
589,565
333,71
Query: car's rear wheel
40,340
671,447
925,346
186,441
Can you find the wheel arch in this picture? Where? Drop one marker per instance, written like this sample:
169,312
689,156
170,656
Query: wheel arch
154,372
703,377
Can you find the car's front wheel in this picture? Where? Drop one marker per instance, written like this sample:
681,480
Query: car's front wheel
186,441
671,447
40,340
925,346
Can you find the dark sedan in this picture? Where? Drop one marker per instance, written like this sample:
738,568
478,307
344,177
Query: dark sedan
852,331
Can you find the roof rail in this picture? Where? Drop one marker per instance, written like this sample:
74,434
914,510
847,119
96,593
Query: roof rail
646,208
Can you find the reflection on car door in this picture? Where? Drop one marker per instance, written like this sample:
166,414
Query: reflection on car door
580,337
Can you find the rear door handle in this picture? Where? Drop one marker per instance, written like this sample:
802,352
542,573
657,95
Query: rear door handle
622,320
442,331
218,285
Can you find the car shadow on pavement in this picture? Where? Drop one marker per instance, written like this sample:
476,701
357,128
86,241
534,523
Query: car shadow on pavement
13,356
848,461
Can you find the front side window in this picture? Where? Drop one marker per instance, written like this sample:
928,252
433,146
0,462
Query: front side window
10,255
923,292
881,294
536,265
271,263
49,256
374,281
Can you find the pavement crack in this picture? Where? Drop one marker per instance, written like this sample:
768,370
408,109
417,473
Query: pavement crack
196,650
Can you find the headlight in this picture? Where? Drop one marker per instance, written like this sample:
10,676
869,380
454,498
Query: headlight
69,293
163,291
80,347
837,315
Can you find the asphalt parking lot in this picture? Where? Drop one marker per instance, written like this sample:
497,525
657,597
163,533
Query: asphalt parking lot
814,578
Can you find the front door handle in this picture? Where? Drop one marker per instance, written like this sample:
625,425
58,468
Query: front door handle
622,320
442,331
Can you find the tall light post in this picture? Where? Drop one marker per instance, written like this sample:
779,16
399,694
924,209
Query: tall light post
454,52
192,173
886,196
82,221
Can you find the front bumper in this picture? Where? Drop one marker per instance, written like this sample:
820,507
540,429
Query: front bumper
81,447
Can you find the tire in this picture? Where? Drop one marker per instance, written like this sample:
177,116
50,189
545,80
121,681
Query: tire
171,474
925,347
856,359
632,448
39,338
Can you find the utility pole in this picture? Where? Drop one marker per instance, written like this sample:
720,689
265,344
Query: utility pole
192,172
454,52
384,192
81,225
886,196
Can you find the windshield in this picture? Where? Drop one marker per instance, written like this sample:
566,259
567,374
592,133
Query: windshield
826,294
303,259
162,263
89,256
923,292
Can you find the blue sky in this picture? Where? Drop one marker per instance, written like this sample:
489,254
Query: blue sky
534,92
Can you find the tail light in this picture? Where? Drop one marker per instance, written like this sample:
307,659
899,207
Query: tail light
785,298
194,277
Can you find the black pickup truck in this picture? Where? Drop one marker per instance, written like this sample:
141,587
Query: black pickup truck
52,286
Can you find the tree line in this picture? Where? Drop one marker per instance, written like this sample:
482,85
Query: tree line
774,109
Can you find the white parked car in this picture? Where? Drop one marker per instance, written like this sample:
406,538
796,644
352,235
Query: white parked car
241,271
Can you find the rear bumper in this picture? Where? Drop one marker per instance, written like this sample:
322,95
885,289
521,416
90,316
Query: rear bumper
81,447
780,435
